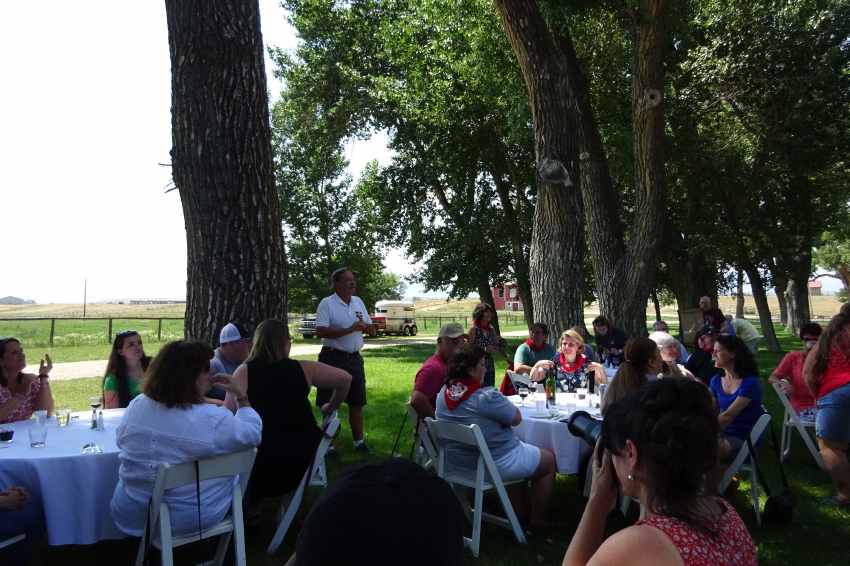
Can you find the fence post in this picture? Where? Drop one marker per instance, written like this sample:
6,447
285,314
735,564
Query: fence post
159,331
52,330
109,331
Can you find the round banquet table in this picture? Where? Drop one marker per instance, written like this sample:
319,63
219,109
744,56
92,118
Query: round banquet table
74,488
546,429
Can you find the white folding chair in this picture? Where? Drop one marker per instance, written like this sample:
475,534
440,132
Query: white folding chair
290,502
11,541
484,477
424,453
742,462
171,476
791,420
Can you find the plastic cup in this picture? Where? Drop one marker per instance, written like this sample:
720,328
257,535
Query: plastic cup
40,416
38,436
63,417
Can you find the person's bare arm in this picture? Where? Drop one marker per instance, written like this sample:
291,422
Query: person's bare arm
44,401
328,377
421,404
240,378
809,371
339,332
522,368
110,399
517,418
733,411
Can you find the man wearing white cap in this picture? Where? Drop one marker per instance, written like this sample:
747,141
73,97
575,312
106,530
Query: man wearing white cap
341,319
234,345
432,374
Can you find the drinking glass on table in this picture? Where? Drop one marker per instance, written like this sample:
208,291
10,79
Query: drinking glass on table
523,393
38,434
63,417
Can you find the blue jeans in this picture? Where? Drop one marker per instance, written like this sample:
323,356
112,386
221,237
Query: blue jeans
833,417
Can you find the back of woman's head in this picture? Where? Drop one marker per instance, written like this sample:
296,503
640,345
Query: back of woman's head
270,341
464,360
171,378
745,362
830,337
673,425
631,375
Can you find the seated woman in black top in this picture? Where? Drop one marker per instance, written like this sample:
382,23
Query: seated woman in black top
278,388
700,363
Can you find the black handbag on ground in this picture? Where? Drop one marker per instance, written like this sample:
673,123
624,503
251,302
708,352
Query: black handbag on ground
779,508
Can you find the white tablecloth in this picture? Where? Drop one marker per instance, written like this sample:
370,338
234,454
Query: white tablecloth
544,431
73,488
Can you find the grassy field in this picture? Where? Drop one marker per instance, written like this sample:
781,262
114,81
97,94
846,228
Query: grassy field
818,536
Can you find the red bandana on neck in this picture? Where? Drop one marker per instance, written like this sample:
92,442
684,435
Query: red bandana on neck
458,390
568,367
530,344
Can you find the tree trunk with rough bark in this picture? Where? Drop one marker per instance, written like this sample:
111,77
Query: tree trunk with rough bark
780,283
760,299
801,270
739,294
625,268
222,166
556,241
656,305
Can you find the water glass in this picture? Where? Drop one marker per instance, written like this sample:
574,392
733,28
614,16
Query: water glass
38,435
63,417
582,395
40,416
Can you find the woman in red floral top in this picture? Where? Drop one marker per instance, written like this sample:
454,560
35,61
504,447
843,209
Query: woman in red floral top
22,393
658,445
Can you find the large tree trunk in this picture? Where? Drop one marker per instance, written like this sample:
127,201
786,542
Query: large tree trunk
625,272
222,166
739,294
801,270
556,240
780,283
760,299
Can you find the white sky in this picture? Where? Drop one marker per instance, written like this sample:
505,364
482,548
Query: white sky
85,121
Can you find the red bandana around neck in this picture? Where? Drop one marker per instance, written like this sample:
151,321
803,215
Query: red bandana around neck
530,344
568,367
458,390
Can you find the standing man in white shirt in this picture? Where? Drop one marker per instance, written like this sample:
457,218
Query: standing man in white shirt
341,320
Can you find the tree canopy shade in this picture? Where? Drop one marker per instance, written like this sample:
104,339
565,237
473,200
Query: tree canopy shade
222,166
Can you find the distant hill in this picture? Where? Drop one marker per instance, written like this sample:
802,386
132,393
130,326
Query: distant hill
10,300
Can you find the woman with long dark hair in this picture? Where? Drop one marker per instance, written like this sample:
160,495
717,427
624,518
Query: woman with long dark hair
22,393
657,446
125,370
737,390
641,364
827,373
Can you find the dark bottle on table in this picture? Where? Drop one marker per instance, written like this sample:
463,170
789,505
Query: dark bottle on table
551,387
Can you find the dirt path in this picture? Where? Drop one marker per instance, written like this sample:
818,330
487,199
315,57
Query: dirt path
76,370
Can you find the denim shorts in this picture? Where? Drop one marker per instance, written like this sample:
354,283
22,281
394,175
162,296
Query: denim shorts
833,419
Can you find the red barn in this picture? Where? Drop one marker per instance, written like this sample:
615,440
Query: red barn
507,297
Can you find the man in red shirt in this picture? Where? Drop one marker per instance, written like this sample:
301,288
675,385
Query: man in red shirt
432,374
789,373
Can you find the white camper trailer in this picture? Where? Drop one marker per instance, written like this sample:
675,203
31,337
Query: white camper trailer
395,317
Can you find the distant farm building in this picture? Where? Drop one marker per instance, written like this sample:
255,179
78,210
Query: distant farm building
815,288
507,297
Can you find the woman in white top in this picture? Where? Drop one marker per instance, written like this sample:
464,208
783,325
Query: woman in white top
170,423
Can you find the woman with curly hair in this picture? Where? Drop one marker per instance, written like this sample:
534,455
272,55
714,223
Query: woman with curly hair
827,373
658,445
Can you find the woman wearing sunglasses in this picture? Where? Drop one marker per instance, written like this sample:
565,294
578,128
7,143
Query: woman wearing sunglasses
125,370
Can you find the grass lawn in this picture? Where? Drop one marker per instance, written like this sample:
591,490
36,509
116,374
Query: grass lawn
818,536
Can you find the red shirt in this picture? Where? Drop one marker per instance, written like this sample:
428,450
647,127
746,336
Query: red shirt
430,378
732,545
791,367
838,369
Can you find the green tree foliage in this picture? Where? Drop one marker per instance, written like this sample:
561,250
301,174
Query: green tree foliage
833,254
328,225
